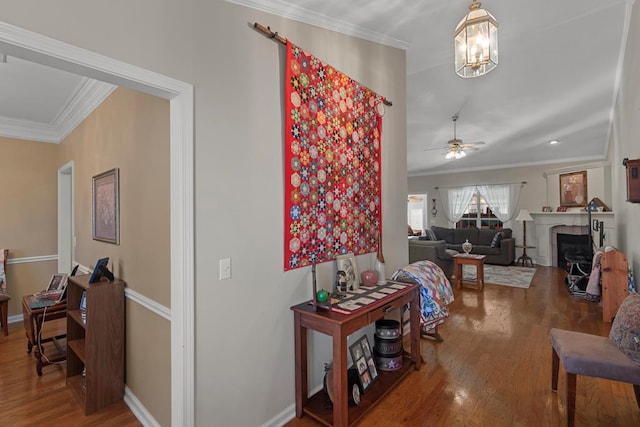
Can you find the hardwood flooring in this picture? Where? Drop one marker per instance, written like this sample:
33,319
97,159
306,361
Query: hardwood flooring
494,366
29,400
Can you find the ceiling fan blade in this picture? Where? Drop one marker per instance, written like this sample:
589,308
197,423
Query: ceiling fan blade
437,148
470,144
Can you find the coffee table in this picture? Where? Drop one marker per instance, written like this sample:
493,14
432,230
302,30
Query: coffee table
469,259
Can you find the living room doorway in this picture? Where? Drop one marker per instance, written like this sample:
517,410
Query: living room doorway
417,213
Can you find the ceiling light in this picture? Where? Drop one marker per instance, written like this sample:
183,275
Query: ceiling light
455,152
554,142
476,42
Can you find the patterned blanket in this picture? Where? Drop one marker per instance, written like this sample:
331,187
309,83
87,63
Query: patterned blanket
435,291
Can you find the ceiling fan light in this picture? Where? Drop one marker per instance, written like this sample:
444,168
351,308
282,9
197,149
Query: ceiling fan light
476,43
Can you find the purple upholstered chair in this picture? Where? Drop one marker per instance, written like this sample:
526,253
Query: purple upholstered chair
614,358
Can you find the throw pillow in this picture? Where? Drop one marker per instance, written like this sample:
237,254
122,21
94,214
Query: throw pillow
495,243
430,234
625,330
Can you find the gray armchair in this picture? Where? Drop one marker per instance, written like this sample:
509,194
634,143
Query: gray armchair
431,250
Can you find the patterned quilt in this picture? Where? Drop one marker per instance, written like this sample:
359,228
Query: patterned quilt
435,291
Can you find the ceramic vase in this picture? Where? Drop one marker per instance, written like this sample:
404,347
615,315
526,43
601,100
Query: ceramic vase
380,268
467,246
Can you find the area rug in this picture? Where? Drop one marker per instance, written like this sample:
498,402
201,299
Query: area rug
517,277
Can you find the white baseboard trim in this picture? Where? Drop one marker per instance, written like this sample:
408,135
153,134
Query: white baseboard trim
287,414
32,259
138,409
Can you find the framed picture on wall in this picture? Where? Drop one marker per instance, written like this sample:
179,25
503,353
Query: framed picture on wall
106,206
573,189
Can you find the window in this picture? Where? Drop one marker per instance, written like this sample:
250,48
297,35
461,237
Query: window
479,215
417,217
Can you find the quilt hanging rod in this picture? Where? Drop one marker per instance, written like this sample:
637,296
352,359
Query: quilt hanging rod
277,37
475,185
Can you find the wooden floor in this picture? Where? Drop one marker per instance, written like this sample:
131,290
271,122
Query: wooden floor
29,400
494,366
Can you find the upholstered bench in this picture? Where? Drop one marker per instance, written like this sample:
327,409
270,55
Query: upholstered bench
616,357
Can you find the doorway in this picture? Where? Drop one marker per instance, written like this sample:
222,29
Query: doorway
65,218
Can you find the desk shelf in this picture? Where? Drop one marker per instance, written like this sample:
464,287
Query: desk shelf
95,345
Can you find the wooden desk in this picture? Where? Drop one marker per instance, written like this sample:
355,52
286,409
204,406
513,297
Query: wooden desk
339,326
33,320
469,259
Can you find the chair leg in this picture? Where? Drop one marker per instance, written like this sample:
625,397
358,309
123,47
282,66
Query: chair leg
555,367
571,399
4,316
636,390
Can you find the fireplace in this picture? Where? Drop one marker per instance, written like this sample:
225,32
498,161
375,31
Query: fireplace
568,237
572,243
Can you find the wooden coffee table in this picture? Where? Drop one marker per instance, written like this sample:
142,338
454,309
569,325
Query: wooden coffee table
469,259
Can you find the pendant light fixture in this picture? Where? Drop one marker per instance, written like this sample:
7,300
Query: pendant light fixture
476,42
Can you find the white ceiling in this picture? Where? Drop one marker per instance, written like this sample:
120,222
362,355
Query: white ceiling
557,76
44,104
557,79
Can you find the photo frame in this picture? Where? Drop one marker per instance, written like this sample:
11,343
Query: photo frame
546,209
58,282
347,263
573,189
362,356
561,209
106,206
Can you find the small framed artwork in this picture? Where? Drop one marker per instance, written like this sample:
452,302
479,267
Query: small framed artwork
546,209
573,189
57,282
561,209
347,263
106,206
364,363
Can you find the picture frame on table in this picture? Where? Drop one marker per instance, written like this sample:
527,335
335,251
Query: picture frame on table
573,189
347,263
363,361
547,209
561,209
106,206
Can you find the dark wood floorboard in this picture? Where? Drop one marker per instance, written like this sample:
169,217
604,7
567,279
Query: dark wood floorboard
494,366
29,400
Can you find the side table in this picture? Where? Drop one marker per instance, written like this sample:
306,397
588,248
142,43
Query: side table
469,259
524,259
33,319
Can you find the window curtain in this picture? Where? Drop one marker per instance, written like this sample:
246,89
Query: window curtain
455,201
501,198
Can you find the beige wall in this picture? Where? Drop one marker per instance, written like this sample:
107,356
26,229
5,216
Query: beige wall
624,143
244,327
130,131
29,214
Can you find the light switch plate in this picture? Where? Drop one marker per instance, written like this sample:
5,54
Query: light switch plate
225,268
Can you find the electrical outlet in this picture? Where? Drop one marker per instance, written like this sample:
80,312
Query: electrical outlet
225,268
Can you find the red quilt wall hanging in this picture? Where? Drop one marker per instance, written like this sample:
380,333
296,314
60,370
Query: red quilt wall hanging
333,129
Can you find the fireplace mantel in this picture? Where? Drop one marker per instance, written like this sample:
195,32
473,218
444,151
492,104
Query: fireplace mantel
545,221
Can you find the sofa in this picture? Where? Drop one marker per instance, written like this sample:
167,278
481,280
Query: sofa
440,244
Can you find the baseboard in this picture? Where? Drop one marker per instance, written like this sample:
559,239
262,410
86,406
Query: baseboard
138,409
287,414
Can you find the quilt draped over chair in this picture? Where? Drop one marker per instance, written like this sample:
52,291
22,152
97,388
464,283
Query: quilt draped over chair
435,292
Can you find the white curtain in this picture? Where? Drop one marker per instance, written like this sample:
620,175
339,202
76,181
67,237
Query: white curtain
501,198
455,201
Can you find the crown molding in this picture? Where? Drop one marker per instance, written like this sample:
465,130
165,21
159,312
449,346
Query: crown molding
82,103
292,11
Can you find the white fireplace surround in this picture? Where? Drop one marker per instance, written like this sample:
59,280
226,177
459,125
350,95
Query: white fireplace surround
549,224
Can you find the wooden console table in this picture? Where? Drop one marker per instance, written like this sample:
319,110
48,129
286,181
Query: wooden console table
33,322
339,326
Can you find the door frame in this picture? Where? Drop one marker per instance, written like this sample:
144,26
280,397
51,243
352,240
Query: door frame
37,48
66,231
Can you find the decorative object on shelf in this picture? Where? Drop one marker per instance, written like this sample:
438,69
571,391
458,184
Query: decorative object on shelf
434,210
561,209
353,387
369,277
362,357
573,189
467,246
106,206
547,209
476,43
347,264
380,267
341,287
307,233
633,179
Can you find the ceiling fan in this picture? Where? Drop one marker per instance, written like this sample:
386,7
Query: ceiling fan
455,148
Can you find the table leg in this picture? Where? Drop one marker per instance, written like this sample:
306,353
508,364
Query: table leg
302,389
340,401
414,318
480,274
458,273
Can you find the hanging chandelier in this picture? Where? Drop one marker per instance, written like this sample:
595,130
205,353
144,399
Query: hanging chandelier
476,43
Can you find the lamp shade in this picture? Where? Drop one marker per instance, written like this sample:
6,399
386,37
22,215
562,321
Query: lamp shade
524,215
